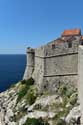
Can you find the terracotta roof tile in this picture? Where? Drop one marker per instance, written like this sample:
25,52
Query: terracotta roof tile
71,32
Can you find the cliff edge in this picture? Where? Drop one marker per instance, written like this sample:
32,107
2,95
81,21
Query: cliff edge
22,104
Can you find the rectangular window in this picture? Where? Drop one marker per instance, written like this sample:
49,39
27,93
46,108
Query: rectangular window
82,43
69,44
53,46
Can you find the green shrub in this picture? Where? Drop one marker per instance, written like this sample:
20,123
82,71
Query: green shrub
22,93
23,81
73,99
33,121
31,97
60,122
28,82
25,85
66,90
63,90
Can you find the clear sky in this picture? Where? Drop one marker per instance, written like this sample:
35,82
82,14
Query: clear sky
33,23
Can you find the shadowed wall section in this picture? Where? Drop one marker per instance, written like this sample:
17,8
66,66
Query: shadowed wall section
80,80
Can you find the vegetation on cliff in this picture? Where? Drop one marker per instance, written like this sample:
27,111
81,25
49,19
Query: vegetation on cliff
33,121
26,91
22,104
69,96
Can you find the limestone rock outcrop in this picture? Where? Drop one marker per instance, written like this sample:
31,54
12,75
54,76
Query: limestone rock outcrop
60,107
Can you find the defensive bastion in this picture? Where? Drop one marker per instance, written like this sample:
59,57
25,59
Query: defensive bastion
59,61
56,62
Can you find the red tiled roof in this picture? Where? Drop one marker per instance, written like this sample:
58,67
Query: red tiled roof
71,32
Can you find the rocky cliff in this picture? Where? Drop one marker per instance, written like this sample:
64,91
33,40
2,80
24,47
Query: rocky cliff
23,104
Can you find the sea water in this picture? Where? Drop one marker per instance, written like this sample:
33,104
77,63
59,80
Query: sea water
12,68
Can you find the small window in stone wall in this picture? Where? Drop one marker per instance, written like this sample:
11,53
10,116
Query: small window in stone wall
53,46
82,43
69,44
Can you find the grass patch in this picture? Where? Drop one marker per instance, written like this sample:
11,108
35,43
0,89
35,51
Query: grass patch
33,121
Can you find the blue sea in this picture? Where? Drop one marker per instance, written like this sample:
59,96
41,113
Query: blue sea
12,68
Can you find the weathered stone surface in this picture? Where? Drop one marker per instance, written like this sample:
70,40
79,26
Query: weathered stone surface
73,116
51,65
46,106
80,86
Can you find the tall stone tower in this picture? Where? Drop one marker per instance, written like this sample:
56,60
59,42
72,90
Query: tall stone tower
30,63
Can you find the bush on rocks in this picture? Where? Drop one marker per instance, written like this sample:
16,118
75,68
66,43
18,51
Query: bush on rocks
25,86
28,82
33,121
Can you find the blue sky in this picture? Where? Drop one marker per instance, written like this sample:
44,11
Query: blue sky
33,23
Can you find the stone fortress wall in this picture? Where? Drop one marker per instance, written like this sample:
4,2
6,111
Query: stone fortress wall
60,61
55,62
80,79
